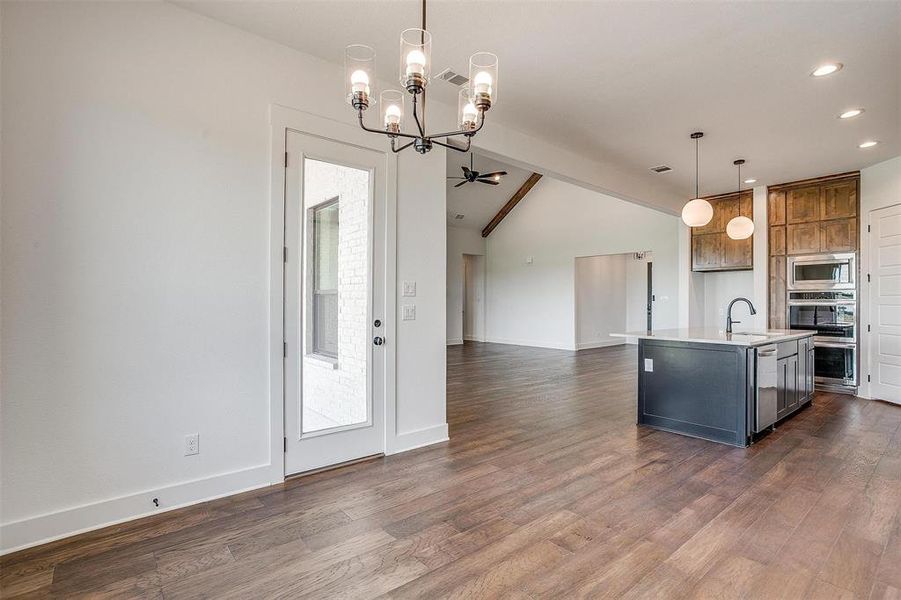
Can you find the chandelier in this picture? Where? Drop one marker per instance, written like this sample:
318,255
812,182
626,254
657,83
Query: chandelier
415,70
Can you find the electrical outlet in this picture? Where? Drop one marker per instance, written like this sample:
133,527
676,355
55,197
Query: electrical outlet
192,444
649,365
409,312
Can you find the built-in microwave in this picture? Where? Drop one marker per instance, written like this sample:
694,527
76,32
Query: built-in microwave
822,272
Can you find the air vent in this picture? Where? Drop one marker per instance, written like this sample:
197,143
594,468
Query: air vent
453,78
458,217
662,169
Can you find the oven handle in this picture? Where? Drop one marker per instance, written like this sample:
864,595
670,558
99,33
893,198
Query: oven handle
822,303
850,346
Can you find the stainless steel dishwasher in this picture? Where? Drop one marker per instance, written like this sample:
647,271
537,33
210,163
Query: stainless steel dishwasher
765,396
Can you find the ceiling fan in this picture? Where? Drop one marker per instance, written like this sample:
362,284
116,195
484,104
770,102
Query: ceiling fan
470,175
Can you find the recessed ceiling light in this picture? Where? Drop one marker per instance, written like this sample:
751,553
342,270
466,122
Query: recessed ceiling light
827,69
868,144
750,181
850,114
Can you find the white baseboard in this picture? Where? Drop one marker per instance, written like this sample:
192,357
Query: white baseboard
455,342
600,344
532,343
417,439
41,529
473,338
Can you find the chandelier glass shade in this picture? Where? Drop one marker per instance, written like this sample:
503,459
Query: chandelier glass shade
414,74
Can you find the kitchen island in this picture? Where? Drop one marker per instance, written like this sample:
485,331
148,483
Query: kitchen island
723,387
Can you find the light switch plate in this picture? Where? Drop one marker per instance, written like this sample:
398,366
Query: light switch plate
409,312
409,288
649,365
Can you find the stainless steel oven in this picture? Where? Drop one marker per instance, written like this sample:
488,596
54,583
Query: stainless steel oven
835,364
831,313
822,272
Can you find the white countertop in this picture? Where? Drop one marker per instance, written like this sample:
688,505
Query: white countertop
717,336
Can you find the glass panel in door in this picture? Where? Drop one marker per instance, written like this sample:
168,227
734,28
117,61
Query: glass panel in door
336,202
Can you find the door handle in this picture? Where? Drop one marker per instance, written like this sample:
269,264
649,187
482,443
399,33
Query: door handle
378,340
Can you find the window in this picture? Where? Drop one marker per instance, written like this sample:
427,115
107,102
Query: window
325,278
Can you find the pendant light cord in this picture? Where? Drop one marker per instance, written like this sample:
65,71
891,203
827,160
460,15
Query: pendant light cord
697,167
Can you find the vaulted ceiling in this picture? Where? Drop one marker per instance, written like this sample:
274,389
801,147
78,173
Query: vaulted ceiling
627,82
479,202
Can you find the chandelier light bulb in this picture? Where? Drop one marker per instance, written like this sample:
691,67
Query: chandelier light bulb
482,83
415,63
470,112
392,115
360,81
697,212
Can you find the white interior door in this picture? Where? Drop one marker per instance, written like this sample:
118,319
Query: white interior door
885,303
334,303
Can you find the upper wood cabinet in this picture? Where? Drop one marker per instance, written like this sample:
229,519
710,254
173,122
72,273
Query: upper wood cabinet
711,248
838,200
802,205
816,216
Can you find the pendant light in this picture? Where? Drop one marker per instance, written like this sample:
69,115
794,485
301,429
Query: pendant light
741,227
697,212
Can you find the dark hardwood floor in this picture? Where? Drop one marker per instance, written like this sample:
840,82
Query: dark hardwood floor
546,490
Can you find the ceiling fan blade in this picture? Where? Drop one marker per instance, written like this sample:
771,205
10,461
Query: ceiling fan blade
494,174
466,171
489,181
456,178
461,183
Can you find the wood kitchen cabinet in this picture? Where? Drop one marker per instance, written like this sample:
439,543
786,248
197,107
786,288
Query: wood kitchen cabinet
711,248
816,216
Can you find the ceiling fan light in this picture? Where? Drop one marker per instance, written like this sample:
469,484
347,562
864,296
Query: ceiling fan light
740,228
697,212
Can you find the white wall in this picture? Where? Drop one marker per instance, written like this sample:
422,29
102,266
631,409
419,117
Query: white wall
600,300
533,304
880,187
722,288
135,261
459,242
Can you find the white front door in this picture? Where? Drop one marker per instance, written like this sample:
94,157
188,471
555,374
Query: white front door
885,303
334,303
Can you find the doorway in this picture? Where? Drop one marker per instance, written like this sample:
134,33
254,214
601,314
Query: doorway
474,297
614,294
334,303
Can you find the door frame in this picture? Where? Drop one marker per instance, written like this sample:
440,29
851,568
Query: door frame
281,120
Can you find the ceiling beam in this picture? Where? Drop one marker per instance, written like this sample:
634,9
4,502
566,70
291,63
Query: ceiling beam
513,201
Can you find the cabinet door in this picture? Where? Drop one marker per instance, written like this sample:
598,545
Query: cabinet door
777,240
838,235
810,372
802,205
776,208
838,200
737,254
803,238
777,276
706,251
781,386
716,224
792,387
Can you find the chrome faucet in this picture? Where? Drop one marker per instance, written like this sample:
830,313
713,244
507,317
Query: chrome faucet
729,320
